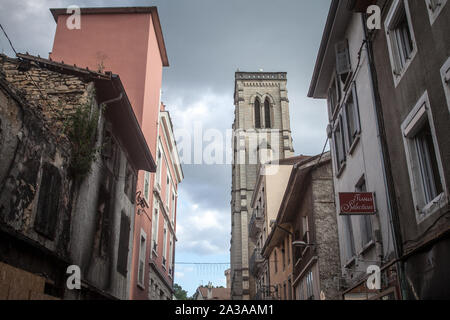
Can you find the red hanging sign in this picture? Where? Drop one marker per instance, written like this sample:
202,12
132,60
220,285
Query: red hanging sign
357,203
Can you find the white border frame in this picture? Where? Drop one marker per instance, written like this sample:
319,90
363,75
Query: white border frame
445,75
434,14
392,13
144,254
419,114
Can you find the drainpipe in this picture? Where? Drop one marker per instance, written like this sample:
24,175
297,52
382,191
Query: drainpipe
387,171
113,100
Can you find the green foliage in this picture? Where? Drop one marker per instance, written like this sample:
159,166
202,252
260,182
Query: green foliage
180,294
81,129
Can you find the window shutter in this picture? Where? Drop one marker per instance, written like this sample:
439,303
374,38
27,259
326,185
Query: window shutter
356,106
48,203
343,65
122,257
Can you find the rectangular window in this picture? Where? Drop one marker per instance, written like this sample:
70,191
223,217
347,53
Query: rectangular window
165,245
48,202
130,183
300,291
334,96
142,254
173,206
423,158
124,238
340,147
309,286
400,35
171,257
343,62
155,228
434,8
275,261
158,165
305,229
350,251
289,289
352,116
365,220
147,186
426,155
445,75
168,189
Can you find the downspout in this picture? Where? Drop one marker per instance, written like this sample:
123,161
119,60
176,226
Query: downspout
387,171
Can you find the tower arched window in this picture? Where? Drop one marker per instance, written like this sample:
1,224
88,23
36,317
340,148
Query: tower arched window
257,113
267,113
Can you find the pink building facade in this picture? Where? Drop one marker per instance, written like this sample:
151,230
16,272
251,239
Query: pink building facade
164,213
128,41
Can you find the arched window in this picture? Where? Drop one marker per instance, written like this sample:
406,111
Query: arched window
267,113
257,113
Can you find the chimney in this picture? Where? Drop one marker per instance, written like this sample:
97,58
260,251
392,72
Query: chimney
126,40
210,293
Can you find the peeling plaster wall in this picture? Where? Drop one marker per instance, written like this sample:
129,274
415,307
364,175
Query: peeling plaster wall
31,140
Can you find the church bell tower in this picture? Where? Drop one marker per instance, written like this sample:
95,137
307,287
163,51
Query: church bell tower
262,132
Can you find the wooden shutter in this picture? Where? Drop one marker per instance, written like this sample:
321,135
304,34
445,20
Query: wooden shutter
124,237
356,111
48,203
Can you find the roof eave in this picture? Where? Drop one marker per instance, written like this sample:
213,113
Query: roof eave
323,47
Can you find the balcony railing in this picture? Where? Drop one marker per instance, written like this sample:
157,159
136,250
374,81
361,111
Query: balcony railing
256,223
256,261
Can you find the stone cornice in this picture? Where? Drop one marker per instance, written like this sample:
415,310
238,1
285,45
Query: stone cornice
261,76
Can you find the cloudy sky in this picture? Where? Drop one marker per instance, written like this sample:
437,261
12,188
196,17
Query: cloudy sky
207,41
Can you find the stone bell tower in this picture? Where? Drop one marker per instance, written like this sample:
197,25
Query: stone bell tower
262,132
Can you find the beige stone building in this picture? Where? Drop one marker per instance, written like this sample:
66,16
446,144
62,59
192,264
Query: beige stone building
265,204
261,133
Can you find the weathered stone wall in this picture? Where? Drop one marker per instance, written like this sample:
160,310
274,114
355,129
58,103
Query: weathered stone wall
325,221
29,153
80,221
52,93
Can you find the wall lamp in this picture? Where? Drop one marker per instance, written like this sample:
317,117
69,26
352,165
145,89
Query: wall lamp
303,244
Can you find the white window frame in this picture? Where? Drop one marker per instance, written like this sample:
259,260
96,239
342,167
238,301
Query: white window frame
147,182
142,256
155,226
171,257
434,13
168,188
352,94
159,158
341,123
333,108
165,234
413,122
392,16
174,200
445,75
